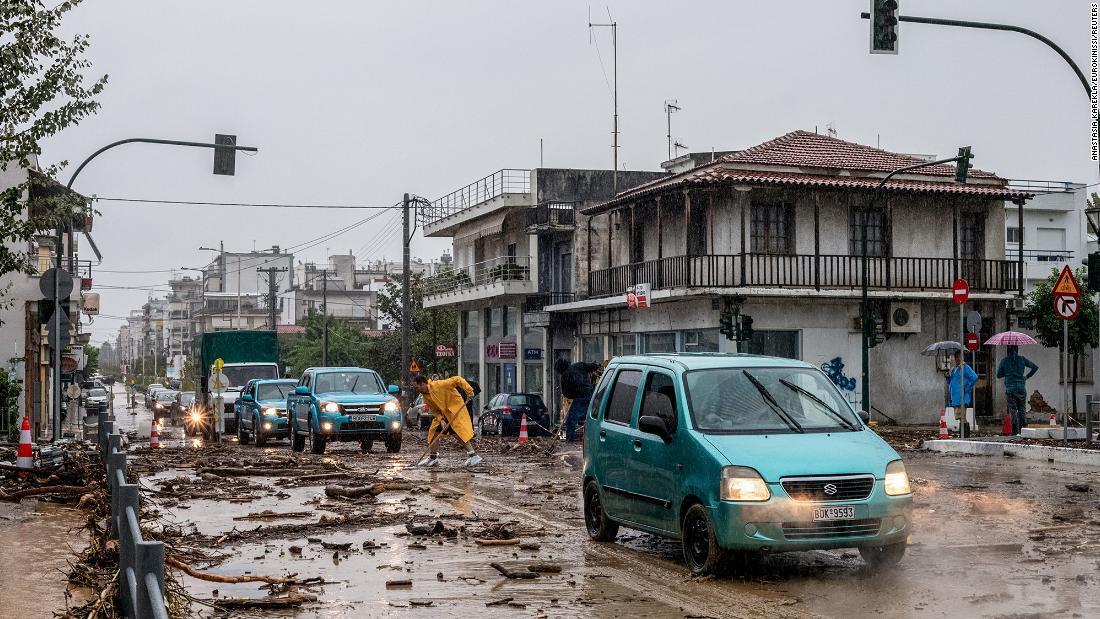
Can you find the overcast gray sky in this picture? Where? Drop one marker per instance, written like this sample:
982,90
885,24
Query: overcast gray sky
359,102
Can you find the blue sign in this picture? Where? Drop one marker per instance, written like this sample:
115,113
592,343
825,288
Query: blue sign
532,354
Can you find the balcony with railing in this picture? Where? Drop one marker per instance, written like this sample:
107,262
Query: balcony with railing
822,272
506,275
503,188
1038,263
550,216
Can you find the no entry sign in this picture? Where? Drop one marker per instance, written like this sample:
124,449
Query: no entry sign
972,341
960,291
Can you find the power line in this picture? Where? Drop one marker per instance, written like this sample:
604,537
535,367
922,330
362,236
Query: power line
255,204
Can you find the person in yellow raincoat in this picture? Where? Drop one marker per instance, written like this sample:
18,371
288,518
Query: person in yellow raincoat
447,399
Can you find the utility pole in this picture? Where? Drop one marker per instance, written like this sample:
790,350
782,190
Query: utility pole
614,96
324,318
405,285
271,292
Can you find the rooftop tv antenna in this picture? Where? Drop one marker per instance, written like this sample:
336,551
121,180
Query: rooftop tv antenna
671,106
615,89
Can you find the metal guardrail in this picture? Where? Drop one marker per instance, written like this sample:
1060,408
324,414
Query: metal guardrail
141,563
1040,255
504,268
496,184
1043,186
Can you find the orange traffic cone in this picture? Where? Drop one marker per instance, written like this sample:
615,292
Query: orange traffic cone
1006,425
154,436
943,424
25,457
1053,421
523,429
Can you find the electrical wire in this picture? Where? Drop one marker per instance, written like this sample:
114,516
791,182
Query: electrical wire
254,204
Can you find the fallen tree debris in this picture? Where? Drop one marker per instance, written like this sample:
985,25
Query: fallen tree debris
351,492
496,542
192,572
267,514
545,568
508,573
20,494
291,600
500,602
390,584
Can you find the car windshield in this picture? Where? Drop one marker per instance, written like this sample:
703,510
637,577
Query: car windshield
166,395
348,382
97,393
767,400
274,392
525,399
187,397
239,375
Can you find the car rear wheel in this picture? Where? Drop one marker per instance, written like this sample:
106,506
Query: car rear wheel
365,444
882,556
702,553
258,430
297,441
316,443
242,434
599,526
500,427
393,443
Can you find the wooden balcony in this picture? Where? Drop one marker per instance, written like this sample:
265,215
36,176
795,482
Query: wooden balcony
823,272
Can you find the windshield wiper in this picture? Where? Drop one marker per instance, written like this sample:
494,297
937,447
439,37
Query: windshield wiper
773,403
846,422
354,383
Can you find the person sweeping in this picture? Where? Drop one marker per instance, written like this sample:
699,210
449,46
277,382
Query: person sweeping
444,398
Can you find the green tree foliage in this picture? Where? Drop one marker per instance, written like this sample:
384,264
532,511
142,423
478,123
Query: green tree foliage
91,360
42,92
1083,330
9,403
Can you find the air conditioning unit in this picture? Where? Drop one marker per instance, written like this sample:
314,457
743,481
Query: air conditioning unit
903,318
1016,305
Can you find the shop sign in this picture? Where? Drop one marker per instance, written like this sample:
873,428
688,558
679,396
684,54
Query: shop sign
637,296
444,350
508,350
532,354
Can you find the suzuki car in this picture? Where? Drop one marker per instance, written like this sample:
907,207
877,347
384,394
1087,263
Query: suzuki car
344,404
739,453
261,410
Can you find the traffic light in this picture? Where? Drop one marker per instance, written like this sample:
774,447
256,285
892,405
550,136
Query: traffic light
884,26
1094,271
726,320
963,165
876,333
744,328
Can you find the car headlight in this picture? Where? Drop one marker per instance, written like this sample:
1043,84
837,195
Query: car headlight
196,416
390,406
330,407
897,481
327,426
395,426
741,483
271,410
159,406
267,425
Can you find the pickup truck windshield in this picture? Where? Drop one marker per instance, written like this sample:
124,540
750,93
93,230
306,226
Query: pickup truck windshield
736,400
274,392
187,397
97,393
348,382
239,375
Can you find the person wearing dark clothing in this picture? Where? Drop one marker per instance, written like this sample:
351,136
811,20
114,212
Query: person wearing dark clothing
1011,369
470,403
576,384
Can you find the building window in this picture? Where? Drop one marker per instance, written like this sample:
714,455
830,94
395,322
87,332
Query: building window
511,253
877,233
702,340
532,377
775,344
505,327
592,349
658,342
496,322
624,344
1014,235
973,236
471,321
773,228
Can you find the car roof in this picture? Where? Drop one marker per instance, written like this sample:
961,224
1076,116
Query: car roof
274,381
341,369
709,360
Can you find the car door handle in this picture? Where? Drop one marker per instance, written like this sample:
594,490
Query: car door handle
603,434
637,444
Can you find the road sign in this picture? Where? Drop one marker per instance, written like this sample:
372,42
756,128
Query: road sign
960,291
218,382
972,341
973,322
1066,284
65,281
52,336
414,367
1067,307
218,364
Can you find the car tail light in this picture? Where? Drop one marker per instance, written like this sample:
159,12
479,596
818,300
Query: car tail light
507,409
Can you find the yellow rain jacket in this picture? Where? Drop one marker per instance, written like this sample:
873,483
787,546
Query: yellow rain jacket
445,402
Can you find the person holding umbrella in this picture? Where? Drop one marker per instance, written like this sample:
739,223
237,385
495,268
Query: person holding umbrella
1011,369
960,382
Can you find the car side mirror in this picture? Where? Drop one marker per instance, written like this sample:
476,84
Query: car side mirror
651,424
247,397
864,416
301,390
394,389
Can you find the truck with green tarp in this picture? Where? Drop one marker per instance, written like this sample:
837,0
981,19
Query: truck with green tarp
245,355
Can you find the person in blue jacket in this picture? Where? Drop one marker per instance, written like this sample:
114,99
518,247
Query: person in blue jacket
968,379
1012,370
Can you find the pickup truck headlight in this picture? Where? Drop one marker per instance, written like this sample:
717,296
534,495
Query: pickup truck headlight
897,480
390,406
329,407
196,416
270,410
741,483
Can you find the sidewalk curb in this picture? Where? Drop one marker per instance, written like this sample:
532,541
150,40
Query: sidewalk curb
1027,452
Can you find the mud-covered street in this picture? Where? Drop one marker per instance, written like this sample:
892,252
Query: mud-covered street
372,535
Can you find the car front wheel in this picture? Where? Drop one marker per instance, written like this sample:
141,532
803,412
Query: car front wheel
599,526
316,443
882,556
242,434
393,443
258,430
701,550
297,441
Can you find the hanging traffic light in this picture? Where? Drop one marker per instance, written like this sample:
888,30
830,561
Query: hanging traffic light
877,330
963,165
884,26
725,319
744,328
1094,271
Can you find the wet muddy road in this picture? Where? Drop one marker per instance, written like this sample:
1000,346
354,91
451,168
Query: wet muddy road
993,538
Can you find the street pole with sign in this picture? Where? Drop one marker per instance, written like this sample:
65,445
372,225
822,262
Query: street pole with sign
1067,305
960,292
973,341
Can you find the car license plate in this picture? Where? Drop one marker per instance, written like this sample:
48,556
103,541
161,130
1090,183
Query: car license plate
834,513
364,417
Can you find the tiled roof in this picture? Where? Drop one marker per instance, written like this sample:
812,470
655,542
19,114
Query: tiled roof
803,149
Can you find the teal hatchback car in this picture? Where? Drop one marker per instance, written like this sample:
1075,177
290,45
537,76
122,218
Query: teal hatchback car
734,453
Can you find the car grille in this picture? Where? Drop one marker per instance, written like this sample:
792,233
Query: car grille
357,409
362,425
867,527
817,489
